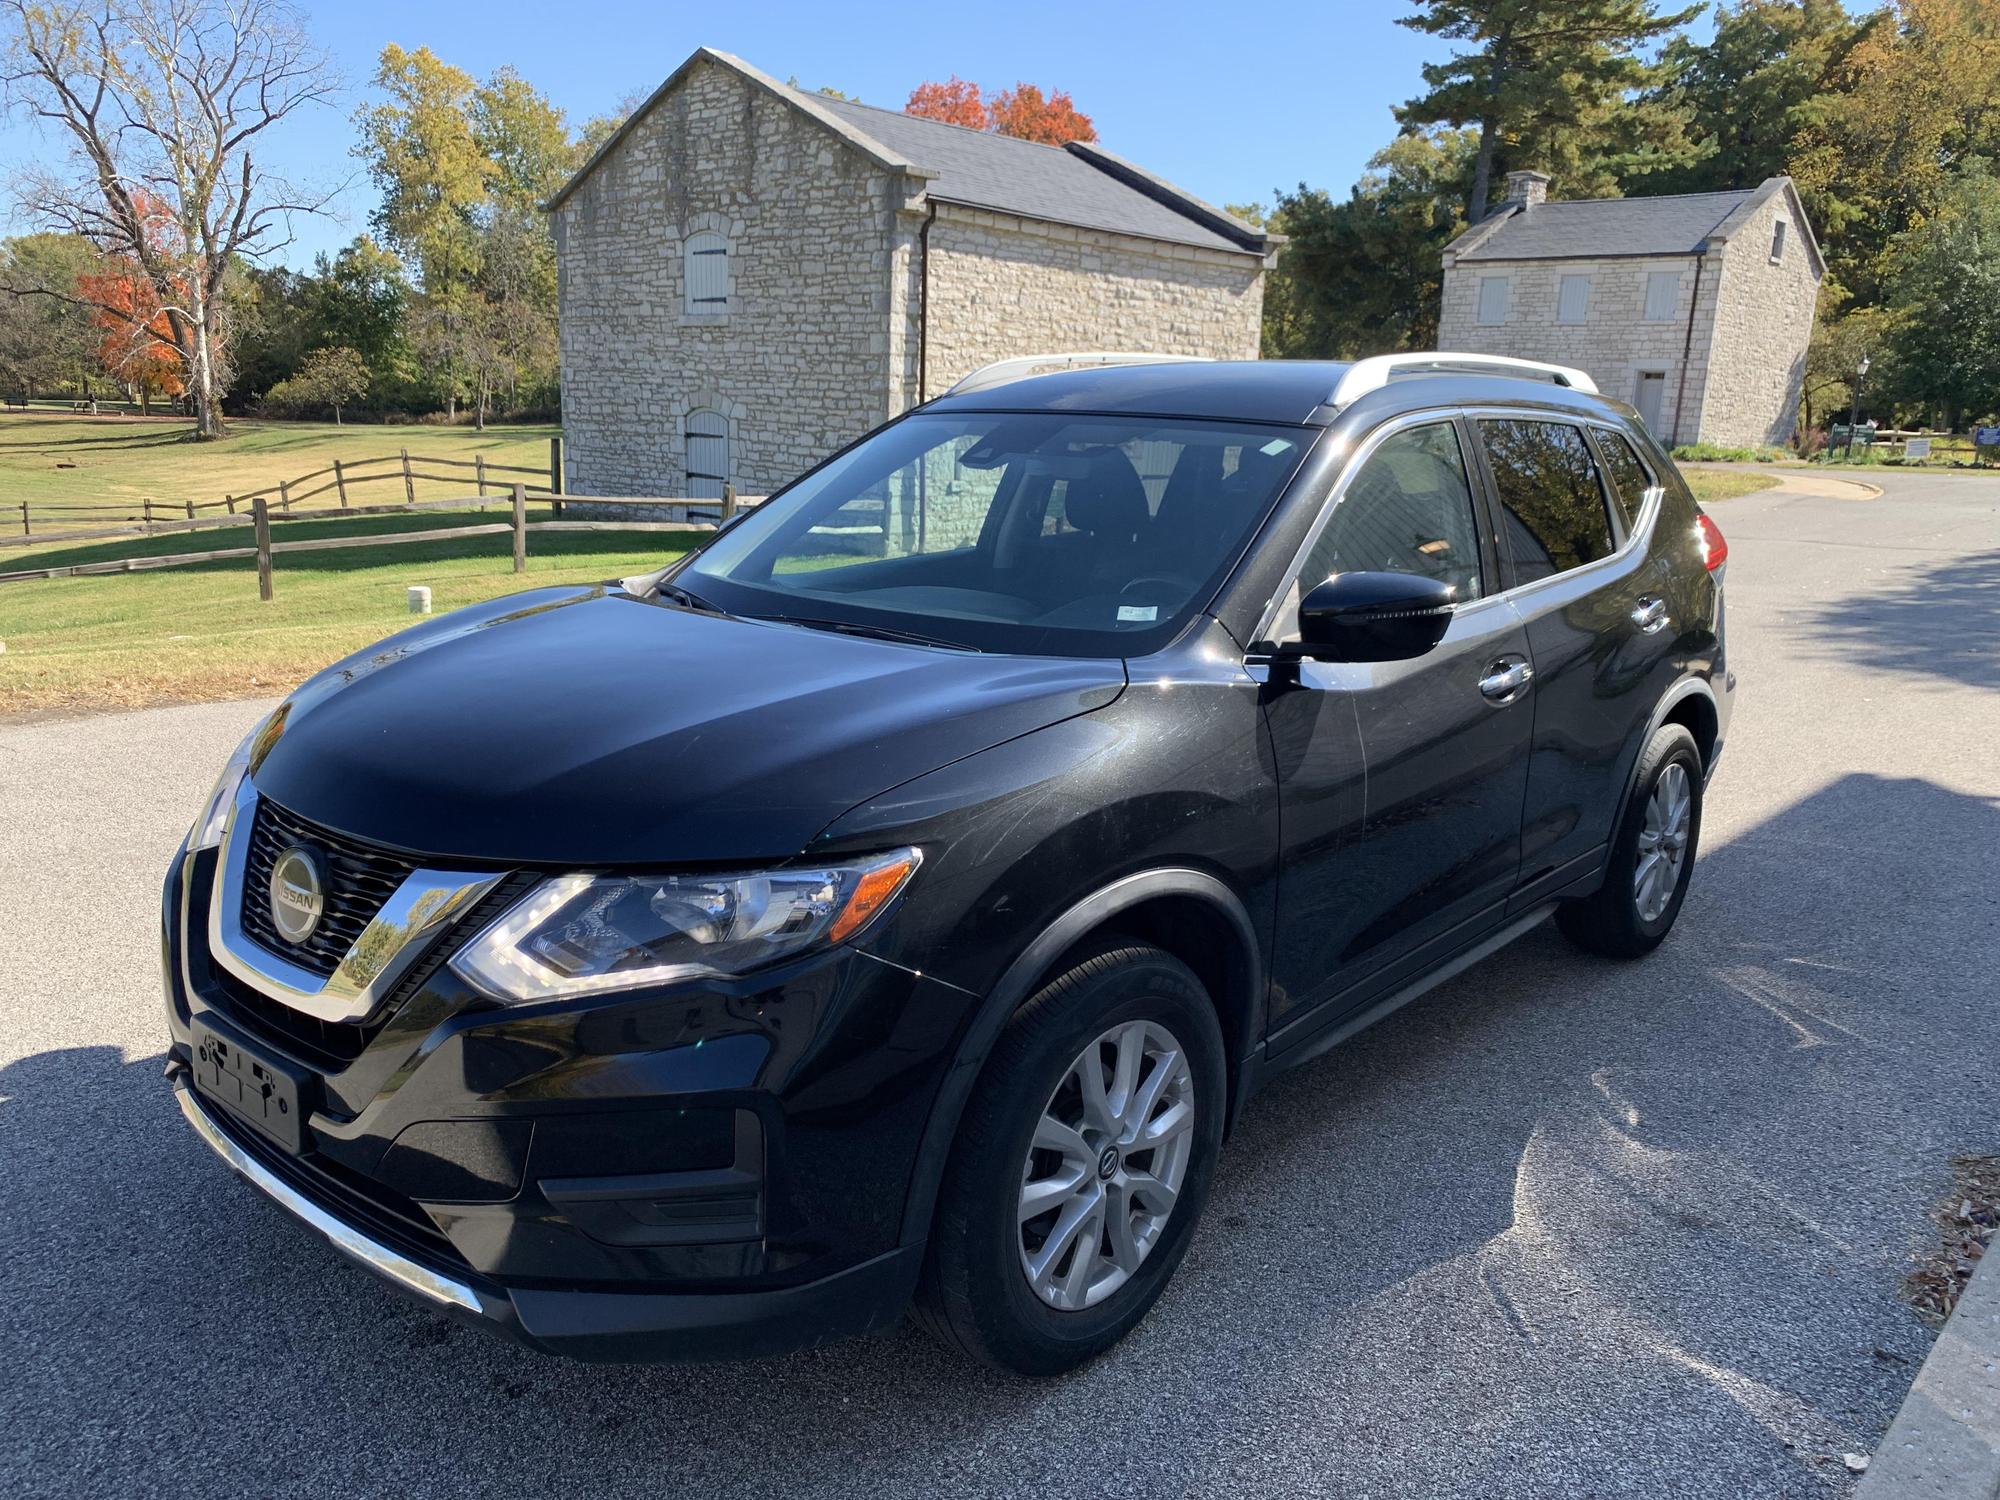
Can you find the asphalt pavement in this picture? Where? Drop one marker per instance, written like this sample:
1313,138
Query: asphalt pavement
1563,1227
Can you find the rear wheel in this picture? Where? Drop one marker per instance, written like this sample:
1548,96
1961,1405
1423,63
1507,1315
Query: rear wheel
1082,1164
1652,855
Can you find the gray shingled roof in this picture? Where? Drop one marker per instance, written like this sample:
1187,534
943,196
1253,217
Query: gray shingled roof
1564,230
984,170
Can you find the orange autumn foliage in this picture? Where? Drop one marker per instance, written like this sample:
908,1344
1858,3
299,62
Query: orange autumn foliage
138,345
1025,113
954,101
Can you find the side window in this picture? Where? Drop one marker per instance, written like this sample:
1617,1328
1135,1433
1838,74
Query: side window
1409,510
1630,478
1552,506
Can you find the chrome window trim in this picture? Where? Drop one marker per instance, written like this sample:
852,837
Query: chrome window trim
1637,537
342,1235
425,902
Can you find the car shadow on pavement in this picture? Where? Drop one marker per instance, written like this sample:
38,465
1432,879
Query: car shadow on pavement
1561,1218
1939,620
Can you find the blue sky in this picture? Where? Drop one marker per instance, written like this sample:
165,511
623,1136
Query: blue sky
1228,103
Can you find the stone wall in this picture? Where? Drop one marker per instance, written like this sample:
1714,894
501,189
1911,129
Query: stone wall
1615,345
1763,322
1003,286
799,363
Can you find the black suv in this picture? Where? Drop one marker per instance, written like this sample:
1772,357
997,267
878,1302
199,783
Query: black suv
898,898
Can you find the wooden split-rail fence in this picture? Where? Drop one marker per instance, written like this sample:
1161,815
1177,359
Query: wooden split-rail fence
693,515
339,479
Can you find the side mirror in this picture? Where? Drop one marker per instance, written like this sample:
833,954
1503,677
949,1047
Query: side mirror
1372,617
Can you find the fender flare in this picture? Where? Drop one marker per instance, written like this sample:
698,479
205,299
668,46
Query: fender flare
1018,981
1684,689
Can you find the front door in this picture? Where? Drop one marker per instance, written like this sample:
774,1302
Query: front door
1651,400
1401,782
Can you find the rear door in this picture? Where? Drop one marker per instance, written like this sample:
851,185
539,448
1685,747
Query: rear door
1599,626
1401,782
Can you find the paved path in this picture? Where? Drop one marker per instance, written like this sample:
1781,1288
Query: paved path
1561,1228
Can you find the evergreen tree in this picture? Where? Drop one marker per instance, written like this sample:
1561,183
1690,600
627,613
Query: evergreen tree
1557,85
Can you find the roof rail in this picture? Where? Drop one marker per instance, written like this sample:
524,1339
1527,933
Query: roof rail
1371,374
1005,371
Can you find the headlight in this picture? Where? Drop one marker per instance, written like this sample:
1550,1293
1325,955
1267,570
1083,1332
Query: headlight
207,830
579,934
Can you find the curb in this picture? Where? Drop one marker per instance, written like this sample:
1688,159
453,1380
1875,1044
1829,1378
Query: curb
1945,1442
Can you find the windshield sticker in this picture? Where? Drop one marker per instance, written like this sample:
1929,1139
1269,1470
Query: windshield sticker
1276,446
1139,612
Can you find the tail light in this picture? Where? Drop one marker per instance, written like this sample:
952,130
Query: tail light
1714,550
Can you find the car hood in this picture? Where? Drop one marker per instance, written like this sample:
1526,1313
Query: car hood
588,727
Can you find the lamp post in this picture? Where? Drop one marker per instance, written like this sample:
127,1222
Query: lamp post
1854,410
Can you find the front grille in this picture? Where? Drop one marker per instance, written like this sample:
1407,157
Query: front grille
360,878
328,1046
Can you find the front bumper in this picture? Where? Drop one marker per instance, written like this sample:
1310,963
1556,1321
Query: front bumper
595,1324
709,1171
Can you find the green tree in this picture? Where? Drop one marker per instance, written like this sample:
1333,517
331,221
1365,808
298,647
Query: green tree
361,300
48,338
1772,70
426,162
1363,275
1557,85
1921,103
327,378
1944,287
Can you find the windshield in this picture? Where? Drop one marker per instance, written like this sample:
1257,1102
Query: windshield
1039,534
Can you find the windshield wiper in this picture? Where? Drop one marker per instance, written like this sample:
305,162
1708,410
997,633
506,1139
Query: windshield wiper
686,598
874,632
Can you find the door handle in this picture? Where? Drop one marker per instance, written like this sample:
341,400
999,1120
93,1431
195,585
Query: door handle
1505,679
1650,615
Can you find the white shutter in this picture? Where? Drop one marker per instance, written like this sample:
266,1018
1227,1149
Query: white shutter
707,435
705,262
1573,300
1663,292
1493,299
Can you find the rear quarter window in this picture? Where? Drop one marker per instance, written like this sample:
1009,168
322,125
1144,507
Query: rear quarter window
1629,476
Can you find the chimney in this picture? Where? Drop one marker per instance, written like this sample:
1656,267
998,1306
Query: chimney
1526,189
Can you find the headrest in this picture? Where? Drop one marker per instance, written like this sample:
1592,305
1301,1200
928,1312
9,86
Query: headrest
1109,500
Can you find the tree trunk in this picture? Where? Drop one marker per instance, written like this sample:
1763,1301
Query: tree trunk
1482,172
336,416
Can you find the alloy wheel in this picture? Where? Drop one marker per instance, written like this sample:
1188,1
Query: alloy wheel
1663,842
1109,1158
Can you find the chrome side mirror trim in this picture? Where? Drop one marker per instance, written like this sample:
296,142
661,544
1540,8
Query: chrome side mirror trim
425,902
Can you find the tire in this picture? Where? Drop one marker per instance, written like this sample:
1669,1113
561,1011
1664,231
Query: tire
1628,917
976,1292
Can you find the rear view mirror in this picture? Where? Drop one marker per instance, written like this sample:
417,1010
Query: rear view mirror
1372,617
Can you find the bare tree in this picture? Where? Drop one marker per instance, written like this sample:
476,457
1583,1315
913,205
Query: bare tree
162,102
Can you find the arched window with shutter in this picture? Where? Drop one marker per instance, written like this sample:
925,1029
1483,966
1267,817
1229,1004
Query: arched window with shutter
707,435
705,264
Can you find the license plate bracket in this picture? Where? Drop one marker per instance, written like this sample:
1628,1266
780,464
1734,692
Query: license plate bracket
265,1094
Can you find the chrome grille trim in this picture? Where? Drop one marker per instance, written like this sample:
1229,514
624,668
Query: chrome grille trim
393,940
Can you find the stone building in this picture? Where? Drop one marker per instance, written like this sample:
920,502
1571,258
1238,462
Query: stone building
1695,308
752,276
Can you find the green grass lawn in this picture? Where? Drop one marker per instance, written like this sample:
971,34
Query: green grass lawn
61,460
1720,484
200,632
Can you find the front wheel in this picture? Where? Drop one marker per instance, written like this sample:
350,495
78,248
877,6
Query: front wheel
1082,1164
1652,854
